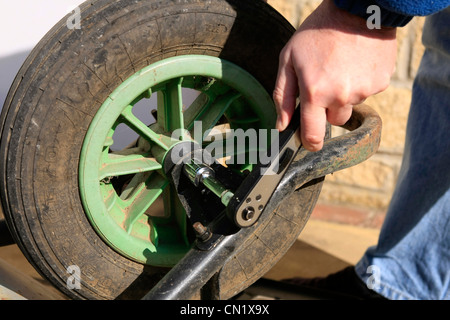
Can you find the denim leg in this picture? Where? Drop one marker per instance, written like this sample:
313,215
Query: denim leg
412,257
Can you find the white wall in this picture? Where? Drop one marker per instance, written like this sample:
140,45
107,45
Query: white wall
24,22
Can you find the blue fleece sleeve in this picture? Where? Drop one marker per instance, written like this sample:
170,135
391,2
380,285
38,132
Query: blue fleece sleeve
394,13
414,7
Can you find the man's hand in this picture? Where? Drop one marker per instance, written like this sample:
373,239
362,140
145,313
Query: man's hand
333,62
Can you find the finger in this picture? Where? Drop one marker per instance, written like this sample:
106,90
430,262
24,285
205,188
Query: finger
339,116
285,94
313,126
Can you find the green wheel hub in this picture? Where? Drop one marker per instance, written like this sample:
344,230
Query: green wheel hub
129,201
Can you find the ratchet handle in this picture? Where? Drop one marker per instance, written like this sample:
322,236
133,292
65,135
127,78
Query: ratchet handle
252,196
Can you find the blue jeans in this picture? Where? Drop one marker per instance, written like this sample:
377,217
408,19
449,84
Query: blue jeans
412,257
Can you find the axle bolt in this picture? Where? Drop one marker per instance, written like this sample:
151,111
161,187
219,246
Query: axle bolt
203,234
248,213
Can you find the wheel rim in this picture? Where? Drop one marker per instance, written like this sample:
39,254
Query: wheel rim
121,190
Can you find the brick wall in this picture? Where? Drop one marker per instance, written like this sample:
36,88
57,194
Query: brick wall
360,195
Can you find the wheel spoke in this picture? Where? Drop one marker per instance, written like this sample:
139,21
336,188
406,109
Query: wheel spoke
119,165
142,198
195,110
141,128
214,112
170,106
132,188
173,208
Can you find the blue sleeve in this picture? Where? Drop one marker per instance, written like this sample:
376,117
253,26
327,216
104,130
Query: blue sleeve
414,7
394,13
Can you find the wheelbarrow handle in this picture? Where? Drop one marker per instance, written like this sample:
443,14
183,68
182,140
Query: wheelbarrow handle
197,267
340,152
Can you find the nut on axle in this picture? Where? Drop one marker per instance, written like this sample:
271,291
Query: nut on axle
202,232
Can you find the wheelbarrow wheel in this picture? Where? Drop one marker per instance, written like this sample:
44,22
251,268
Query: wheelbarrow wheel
86,126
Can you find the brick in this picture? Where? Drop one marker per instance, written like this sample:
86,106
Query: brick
393,107
348,215
304,9
418,48
372,174
343,195
295,11
368,185
410,49
286,8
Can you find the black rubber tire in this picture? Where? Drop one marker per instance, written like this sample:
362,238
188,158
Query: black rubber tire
59,89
